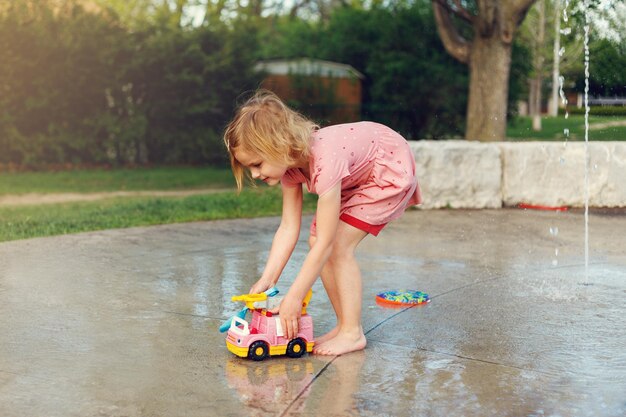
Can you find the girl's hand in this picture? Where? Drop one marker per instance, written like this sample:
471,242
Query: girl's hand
260,286
290,310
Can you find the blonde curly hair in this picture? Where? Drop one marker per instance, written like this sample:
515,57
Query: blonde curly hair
267,127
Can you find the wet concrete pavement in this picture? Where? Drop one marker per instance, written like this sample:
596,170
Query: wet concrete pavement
124,322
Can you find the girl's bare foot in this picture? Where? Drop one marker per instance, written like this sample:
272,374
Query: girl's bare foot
327,336
343,342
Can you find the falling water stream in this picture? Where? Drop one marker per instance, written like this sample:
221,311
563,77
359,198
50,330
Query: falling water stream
566,131
586,5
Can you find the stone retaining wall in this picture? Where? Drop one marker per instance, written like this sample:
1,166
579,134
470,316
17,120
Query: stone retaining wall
463,174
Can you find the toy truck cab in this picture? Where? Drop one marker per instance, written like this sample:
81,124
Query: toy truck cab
263,336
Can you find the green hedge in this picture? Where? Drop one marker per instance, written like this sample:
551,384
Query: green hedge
598,110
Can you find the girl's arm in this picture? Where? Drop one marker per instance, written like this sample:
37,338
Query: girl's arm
328,206
284,241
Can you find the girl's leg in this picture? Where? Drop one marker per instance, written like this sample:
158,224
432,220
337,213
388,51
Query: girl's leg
346,287
328,279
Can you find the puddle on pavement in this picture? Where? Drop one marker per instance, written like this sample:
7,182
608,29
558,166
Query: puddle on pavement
506,333
574,284
269,386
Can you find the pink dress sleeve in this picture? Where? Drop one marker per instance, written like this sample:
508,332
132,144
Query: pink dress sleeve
329,168
292,179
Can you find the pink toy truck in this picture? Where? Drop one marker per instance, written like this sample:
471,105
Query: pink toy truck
264,336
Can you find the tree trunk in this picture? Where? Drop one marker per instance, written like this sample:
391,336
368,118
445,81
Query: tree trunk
488,56
534,101
537,83
489,64
554,103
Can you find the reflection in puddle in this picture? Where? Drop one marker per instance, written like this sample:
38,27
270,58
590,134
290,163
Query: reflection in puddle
271,385
403,382
281,385
338,395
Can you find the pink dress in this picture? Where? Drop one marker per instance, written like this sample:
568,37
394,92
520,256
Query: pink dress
375,165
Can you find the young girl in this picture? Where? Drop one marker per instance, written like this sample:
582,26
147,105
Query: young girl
364,175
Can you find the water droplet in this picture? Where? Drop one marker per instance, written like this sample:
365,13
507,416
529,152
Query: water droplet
567,115
566,132
556,251
555,262
595,166
566,31
561,51
554,231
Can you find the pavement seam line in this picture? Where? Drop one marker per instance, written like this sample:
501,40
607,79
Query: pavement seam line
301,393
468,358
366,333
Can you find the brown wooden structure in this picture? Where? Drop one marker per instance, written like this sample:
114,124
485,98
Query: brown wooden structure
328,92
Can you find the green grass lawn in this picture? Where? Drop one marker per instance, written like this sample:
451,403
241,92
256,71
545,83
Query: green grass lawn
23,222
520,129
101,180
27,221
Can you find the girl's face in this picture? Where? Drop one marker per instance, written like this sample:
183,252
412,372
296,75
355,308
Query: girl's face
260,168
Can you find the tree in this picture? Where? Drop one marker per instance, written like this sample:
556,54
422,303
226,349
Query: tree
607,49
78,86
609,20
132,13
538,39
493,24
553,49
607,80
410,82
53,72
311,10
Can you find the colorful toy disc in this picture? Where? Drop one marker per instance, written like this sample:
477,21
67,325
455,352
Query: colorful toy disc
402,298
